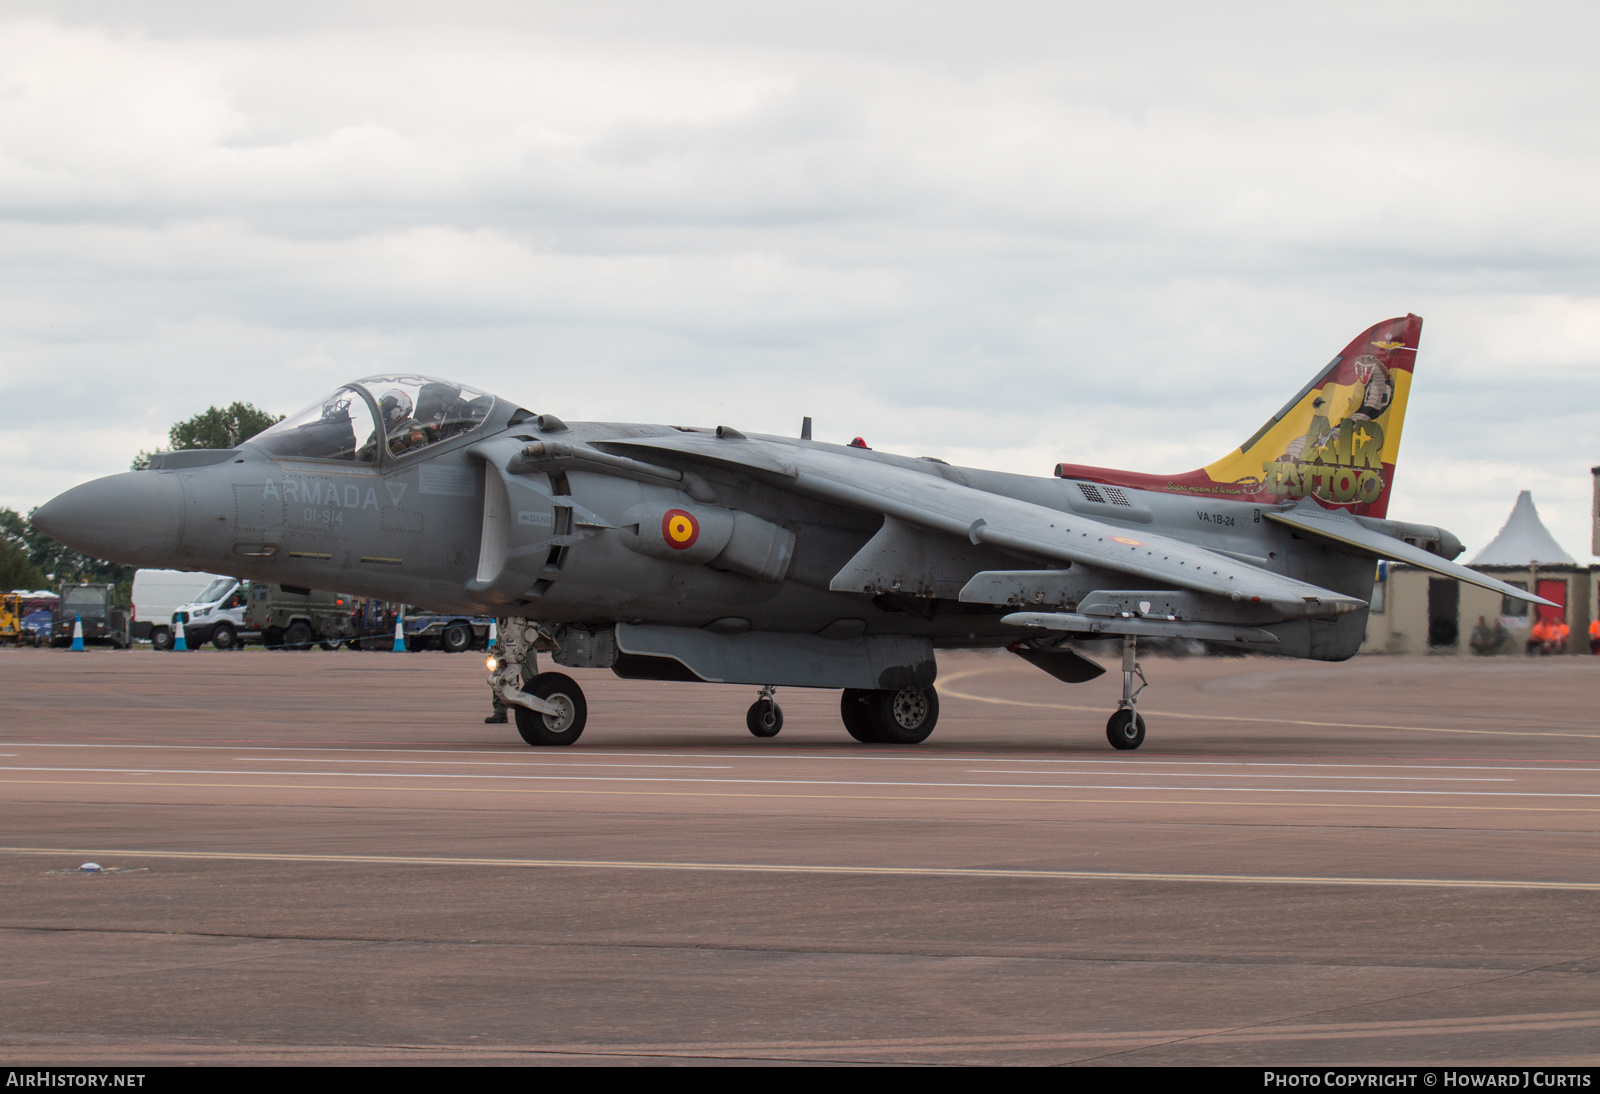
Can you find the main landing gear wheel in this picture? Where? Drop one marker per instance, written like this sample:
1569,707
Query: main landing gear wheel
551,729
905,716
1125,730
857,715
891,716
764,718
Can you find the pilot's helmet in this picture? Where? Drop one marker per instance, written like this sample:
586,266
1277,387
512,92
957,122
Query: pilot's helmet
395,406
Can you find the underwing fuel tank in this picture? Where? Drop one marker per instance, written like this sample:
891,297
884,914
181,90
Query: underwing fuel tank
724,539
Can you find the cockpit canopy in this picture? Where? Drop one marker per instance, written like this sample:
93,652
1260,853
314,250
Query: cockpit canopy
415,412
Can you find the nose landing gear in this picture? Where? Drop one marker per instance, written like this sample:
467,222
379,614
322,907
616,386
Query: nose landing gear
1125,728
550,708
562,720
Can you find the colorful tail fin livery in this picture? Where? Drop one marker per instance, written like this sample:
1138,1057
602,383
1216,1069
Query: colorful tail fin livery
1336,441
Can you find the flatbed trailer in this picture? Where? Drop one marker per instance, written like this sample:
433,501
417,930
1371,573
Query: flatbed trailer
450,633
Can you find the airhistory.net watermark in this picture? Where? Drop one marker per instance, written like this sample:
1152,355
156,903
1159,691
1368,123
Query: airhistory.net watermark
50,1079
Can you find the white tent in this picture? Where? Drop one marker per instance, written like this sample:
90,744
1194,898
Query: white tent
1524,539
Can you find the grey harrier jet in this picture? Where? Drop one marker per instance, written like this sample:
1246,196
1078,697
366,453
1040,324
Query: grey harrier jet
675,553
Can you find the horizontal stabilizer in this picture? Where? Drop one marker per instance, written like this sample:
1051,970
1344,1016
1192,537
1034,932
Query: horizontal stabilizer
1073,623
1338,526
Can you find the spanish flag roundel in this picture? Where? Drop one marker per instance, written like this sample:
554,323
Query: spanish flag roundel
679,529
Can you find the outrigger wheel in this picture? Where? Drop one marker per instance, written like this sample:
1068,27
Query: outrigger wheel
551,729
765,717
1125,728
857,715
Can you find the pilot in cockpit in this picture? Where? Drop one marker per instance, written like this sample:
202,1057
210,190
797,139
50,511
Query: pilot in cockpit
403,431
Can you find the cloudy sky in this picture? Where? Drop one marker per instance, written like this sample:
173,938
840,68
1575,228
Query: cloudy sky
1003,233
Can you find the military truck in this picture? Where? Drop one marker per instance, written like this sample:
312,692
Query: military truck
104,621
291,618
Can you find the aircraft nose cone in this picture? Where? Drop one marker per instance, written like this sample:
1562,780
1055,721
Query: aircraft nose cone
136,518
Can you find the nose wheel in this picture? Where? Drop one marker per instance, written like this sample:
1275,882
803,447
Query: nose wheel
765,716
1125,728
561,693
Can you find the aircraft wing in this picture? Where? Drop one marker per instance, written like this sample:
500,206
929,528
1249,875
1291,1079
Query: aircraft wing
925,499
1339,526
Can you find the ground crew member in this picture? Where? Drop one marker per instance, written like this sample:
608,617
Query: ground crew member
1594,636
1487,640
1559,633
1538,635
530,669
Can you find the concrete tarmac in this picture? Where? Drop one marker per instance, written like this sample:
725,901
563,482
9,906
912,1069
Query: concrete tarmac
327,857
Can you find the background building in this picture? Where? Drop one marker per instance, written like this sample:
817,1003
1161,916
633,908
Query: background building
1414,611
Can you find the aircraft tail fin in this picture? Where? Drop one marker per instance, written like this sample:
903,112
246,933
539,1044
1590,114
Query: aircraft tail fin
1335,442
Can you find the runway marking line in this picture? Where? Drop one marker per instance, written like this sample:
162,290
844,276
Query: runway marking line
835,782
796,868
941,687
1224,775
1108,1039
562,764
858,755
637,792
897,1049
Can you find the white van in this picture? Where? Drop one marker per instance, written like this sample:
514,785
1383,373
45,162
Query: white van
217,615
157,594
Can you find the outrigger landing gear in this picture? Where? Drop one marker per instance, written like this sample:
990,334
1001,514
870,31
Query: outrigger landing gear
1125,729
765,717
